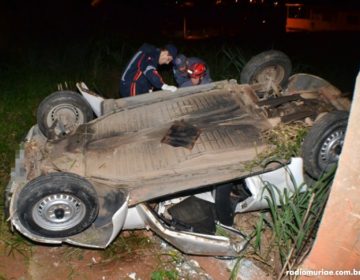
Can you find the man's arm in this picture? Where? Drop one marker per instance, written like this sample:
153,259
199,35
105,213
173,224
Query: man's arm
153,76
180,77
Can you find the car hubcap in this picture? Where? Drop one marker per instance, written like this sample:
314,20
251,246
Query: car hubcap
65,117
331,149
58,212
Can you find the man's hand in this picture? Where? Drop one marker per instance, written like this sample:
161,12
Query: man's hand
170,88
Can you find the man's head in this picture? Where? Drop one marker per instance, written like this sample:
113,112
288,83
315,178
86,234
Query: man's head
167,54
180,62
196,72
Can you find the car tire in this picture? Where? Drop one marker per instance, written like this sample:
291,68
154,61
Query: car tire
61,113
270,65
57,205
322,145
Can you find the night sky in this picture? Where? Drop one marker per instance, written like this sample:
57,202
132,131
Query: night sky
44,23
136,17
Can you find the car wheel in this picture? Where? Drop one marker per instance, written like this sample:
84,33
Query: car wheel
270,66
323,144
57,205
61,113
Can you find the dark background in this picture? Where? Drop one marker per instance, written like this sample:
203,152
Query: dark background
71,30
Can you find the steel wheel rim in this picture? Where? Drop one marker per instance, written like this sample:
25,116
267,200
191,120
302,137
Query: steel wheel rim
273,73
66,116
331,148
57,212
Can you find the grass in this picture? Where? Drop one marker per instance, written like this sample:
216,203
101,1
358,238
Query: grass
16,244
133,243
295,223
284,141
165,269
164,275
282,239
127,243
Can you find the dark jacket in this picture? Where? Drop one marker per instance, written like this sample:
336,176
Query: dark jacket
140,74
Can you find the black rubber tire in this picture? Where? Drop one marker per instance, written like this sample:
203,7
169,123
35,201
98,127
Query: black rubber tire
322,145
73,101
46,194
265,60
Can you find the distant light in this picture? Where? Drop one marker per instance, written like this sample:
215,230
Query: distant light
264,21
276,3
95,3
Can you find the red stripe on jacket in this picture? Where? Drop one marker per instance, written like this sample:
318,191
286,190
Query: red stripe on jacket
136,77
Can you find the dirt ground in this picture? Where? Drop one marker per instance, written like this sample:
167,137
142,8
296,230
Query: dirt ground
132,256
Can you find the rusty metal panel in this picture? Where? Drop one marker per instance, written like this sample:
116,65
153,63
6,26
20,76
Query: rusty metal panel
181,134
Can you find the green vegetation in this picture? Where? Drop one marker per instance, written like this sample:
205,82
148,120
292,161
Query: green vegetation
296,221
16,244
126,243
283,238
284,142
164,275
166,266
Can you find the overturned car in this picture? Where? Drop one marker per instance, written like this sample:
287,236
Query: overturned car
175,163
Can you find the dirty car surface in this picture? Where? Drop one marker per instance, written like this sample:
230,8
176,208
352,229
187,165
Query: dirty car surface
143,150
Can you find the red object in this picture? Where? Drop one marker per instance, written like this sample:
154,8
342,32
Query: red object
197,70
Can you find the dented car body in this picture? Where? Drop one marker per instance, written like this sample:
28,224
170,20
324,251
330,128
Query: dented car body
150,161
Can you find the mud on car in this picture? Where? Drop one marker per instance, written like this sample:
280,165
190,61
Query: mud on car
175,163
